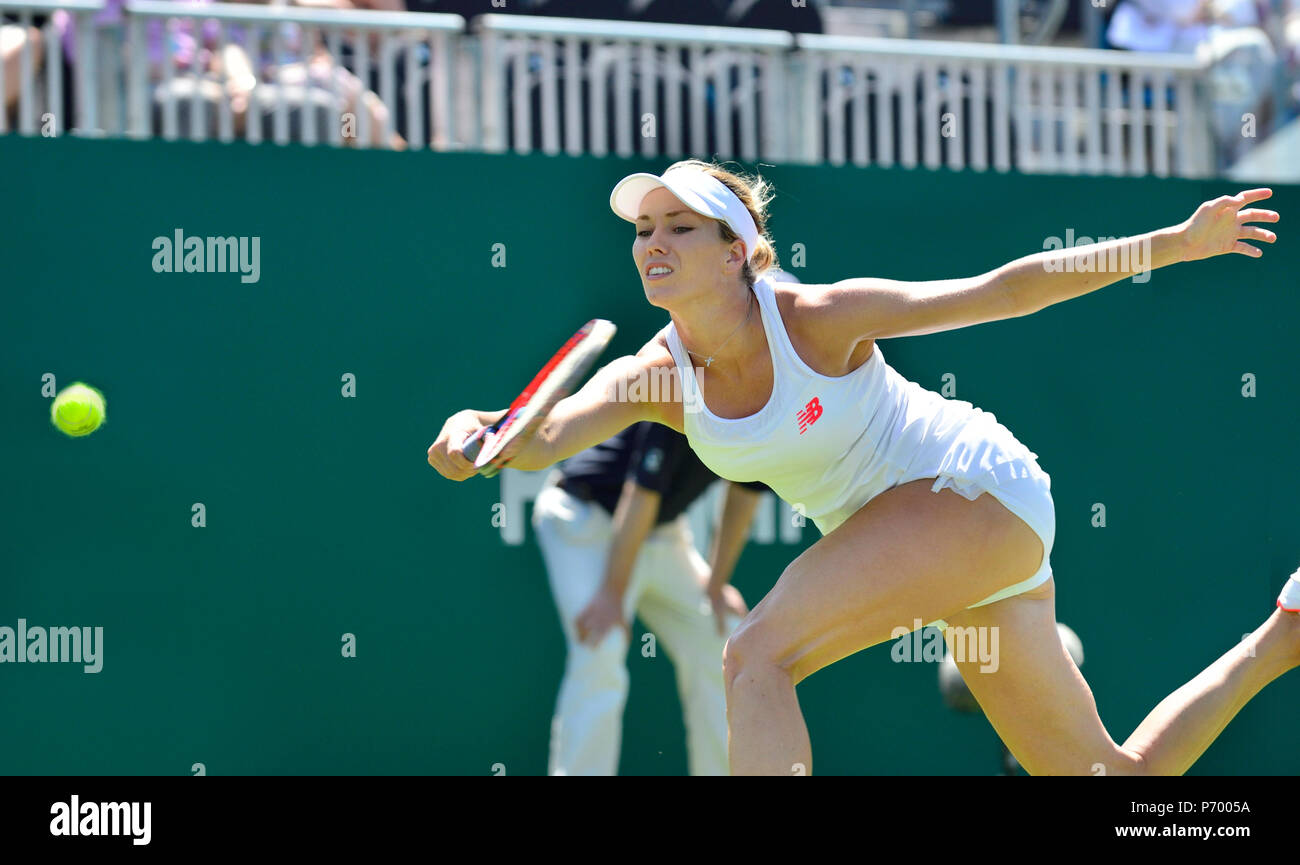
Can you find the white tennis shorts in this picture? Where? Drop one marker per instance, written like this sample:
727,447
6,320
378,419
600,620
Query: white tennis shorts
1024,489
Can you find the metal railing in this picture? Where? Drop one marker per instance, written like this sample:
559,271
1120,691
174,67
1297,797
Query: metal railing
41,103
662,78
863,100
419,45
884,101
519,83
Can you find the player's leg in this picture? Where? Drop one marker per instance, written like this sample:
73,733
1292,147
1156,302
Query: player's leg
1042,708
676,609
586,730
908,554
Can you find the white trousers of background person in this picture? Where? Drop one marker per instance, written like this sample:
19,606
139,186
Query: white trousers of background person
666,590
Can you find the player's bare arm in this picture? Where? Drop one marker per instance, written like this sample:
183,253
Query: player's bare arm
599,410
615,398
872,308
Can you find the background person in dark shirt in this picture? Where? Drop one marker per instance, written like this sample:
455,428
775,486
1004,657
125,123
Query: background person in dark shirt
611,525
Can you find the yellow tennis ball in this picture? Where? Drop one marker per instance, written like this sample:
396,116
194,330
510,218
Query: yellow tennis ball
78,410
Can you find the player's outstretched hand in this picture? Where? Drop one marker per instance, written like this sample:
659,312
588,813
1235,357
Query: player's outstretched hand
1219,226
445,453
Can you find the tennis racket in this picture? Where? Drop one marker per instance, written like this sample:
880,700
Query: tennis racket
561,374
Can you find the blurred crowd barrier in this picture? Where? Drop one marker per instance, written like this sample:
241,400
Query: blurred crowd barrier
384,77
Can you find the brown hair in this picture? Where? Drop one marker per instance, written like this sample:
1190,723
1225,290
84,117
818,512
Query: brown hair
755,193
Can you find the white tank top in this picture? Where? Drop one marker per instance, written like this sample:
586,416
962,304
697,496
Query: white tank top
829,445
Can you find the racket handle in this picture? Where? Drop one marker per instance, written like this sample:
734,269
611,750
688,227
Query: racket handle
474,444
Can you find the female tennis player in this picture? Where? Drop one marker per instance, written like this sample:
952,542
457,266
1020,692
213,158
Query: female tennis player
929,508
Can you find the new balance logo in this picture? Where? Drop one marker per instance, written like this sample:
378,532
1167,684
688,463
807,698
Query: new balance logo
808,415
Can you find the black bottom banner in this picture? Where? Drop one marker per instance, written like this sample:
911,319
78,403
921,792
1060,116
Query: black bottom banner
337,814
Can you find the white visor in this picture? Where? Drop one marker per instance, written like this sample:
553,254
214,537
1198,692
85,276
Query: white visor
698,190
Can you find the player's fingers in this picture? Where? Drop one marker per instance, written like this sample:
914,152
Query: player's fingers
454,448
452,466
1258,215
442,464
1254,232
1247,249
457,459
1251,195
437,458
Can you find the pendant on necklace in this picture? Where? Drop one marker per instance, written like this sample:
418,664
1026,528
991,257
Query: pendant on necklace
708,361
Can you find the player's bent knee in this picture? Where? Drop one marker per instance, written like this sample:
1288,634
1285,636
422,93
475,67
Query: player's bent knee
730,661
751,651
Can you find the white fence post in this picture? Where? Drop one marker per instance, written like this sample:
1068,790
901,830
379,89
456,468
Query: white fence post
742,93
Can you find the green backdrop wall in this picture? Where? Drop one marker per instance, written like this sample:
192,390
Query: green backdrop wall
222,643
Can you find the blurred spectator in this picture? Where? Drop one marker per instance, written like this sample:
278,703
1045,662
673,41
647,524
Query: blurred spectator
1289,30
13,36
307,76
304,77
970,13
699,12
605,9
774,15
1227,33
1176,25
470,9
